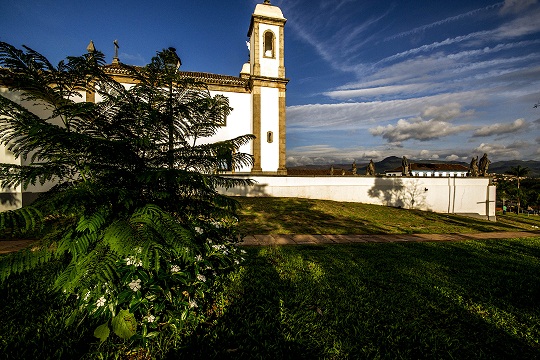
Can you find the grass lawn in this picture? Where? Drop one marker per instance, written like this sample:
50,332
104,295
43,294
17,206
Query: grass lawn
260,216
469,300
463,300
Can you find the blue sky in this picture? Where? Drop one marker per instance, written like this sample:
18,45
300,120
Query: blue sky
429,79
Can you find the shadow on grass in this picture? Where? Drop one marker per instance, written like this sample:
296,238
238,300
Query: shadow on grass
475,224
253,326
430,300
32,325
299,216
474,300
306,216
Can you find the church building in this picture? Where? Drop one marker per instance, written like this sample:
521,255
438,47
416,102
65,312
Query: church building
257,95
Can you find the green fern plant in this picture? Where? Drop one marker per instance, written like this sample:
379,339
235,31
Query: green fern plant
135,215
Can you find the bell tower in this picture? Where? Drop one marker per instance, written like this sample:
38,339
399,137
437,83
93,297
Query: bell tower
267,74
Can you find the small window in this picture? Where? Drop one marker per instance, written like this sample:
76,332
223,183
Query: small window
269,44
269,137
225,157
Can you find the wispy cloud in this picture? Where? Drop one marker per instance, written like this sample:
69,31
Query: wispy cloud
444,21
408,96
516,6
377,91
362,114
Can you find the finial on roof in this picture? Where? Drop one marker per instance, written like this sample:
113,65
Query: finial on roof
91,48
116,60
267,2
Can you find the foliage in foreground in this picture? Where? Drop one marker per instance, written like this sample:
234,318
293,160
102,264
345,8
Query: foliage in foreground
134,219
467,300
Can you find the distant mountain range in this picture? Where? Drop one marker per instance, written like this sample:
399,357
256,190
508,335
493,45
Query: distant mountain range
393,162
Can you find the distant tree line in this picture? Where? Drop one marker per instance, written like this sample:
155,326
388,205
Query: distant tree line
518,192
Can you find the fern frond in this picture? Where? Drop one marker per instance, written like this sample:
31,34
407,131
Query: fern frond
23,260
21,220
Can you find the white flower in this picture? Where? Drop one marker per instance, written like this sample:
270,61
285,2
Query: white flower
198,257
149,318
133,261
236,262
135,285
193,304
242,251
209,241
201,277
198,230
175,268
101,302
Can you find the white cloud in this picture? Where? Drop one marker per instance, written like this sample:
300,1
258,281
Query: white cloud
516,6
436,126
497,150
452,157
500,129
445,112
417,129
427,154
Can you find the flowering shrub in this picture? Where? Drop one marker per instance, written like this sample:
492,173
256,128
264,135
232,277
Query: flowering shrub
148,299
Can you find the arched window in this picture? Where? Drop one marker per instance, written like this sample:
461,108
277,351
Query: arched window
269,47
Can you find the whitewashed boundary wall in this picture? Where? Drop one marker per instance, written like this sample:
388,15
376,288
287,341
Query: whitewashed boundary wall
454,195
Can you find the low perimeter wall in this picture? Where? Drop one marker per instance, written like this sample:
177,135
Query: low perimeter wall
465,196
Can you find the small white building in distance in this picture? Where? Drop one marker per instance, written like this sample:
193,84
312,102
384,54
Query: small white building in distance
432,170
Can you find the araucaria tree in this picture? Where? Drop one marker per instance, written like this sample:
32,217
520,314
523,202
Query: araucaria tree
135,216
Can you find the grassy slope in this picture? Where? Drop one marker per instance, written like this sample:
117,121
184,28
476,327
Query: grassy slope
306,216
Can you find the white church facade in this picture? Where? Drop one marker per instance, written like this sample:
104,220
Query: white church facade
258,98
257,95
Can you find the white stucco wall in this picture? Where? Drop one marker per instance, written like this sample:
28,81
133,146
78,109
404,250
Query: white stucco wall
269,122
467,196
7,157
238,122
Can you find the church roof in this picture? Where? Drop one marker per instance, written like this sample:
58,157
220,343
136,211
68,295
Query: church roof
207,78
268,10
